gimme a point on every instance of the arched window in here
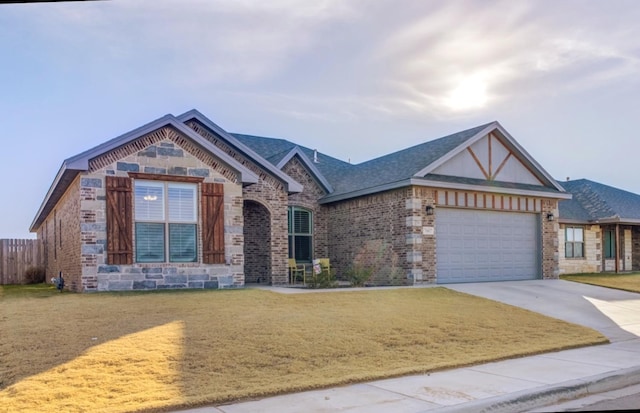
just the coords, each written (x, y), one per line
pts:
(300, 234)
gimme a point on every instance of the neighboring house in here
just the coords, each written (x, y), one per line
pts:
(599, 229)
(180, 202)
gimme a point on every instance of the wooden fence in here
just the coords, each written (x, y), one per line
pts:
(16, 255)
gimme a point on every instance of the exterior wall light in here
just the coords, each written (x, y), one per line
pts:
(550, 217)
(429, 210)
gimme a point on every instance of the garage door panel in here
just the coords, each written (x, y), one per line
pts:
(476, 245)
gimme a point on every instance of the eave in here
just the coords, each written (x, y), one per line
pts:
(510, 142)
(444, 185)
(308, 164)
(77, 164)
(292, 185)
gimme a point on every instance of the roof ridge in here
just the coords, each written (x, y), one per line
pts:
(429, 142)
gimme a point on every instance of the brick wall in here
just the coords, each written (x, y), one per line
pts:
(396, 226)
(60, 233)
(308, 198)
(163, 152)
(372, 230)
(549, 232)
(274, 199)
(257, 243)
(269, 192)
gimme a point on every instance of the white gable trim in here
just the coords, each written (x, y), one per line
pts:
(511, 144)
(433, 165)
(81, 162)
(307, 162)
(71, 167)
(292, 185)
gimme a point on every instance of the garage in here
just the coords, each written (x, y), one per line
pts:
(477, 245)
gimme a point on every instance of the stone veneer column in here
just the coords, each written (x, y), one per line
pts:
(550, 254)
(420, 236)
(413, 239)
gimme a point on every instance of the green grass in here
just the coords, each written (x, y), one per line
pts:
(32, 290)
(626, 282)
(120, 352)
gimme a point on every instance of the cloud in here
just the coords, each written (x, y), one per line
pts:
(516, 50)
(191, 42)
(340, 59)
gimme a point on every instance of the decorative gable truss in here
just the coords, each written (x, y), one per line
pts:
(492, 155)
(489, 159)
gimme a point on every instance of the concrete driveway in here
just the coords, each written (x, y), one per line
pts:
(614, 313)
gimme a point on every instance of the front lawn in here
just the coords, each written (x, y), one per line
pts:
(626, 282)
(165, 350)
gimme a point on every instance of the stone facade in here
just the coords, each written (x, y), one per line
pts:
(592, 260)
(82, 255)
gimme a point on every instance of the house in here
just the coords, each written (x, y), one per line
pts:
(180, 202)
(599, 229)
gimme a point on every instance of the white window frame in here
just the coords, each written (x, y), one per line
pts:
(164, 215)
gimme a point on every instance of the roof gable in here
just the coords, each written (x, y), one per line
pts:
(488, 158)
(297, 151)
(463, 158)
(291, 184)
(77, 164)
(510, 162)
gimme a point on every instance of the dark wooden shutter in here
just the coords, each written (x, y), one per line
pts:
(119, 220)
(212, 223)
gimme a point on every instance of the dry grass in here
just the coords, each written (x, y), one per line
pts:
(626, 282)
(158, 351)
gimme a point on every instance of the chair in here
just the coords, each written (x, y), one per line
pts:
(295, 270)
(325, 266)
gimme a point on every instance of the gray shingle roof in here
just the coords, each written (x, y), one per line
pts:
(274, 150)
(593, 201)
(346, 178)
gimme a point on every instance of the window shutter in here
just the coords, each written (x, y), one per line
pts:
(212, 223)
(119, 220)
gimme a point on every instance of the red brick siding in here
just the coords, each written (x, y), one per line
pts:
(373, 222)
(308, 199)
(257, 243)
(62, 239)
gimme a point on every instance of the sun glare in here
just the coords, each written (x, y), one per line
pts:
(471, 93)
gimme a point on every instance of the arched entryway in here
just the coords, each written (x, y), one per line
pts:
(257, 243)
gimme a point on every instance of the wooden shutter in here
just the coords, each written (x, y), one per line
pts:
(212, 223)
(119, 220)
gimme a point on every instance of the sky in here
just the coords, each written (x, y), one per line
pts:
(354, 79)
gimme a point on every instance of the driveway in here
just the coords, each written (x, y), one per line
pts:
(614, 313)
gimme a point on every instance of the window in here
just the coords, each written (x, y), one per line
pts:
(609, 243)
(163, 234)
(574, 242)
(300, 234)
(165, 221)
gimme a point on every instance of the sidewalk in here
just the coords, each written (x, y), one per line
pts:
(515, 385)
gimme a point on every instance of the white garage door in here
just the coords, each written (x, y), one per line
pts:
(475, 246)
